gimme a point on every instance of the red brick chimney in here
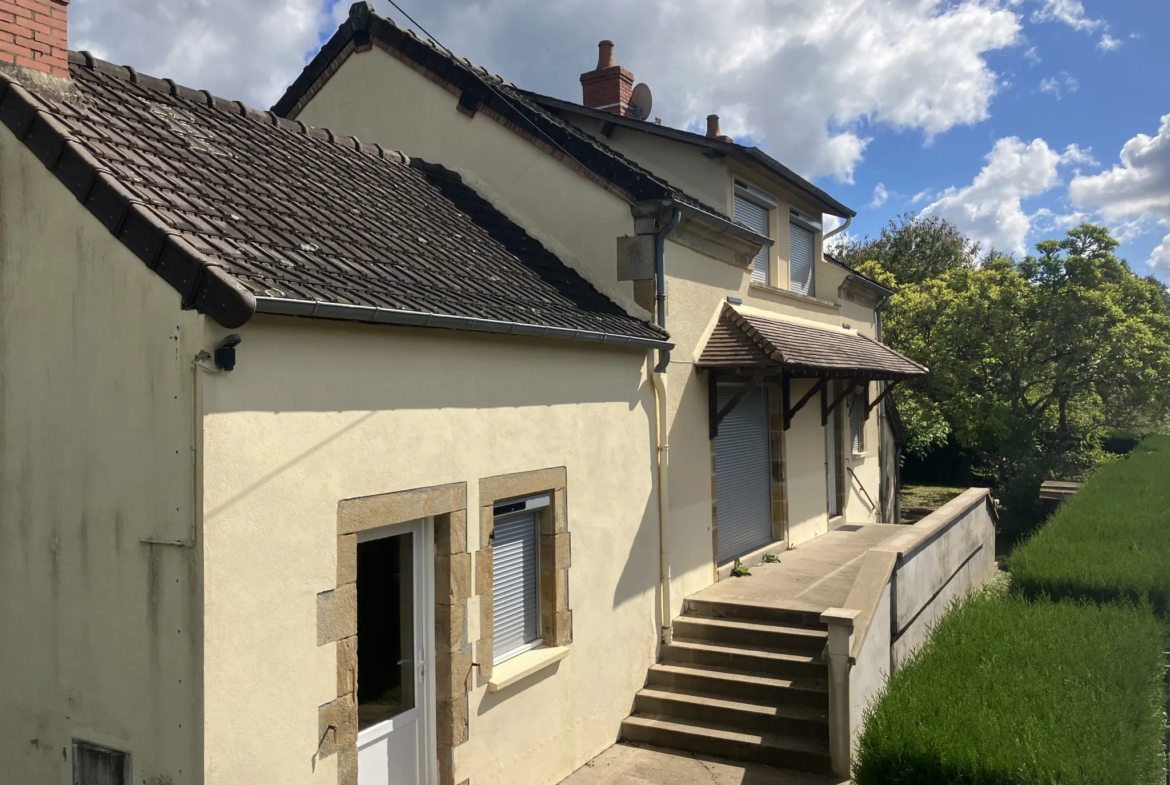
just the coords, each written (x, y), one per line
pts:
(607, 87)
(34, 34)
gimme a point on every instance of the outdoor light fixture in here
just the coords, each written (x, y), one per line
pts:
(225, 352)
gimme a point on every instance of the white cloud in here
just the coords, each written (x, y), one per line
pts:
(990, 209)
(248, 51)
(1057, 86)
(1108, 43)
(922, 196)
(1031, 56)
(805, 79)
(1074, 154)
(880, 195)
(1070, 12)
(1134, 195)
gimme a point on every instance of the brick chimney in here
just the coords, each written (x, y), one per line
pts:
(713, 131)
(607, 87)
(34, 34)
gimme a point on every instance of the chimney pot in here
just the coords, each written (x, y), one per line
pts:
(605, 55)
(609, 86)
(713, 131)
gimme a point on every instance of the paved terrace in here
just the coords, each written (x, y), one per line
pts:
(811, 577)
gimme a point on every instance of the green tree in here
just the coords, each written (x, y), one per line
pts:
(1032, 361)
(913, 248)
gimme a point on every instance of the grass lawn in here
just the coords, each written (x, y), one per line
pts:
(1011, 692)
(918, 501)
(1112, 540)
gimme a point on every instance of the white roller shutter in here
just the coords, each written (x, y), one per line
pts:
(515, 582)
(801, 256)
(743, 479)
(756, 218)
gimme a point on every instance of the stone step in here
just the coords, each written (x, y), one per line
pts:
(754, 613)
(775, 637)
(788, 718)
(793, 752)
(793, 665)
(725, 683)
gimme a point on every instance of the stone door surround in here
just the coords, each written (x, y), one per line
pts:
(337, 723)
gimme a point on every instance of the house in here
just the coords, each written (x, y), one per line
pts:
(341, 443)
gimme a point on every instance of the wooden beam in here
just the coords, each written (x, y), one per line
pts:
(607, 128)
(790, 413)
(827, 410)
(880, 398)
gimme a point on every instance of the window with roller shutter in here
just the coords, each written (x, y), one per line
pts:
(753, 208)
(516, 577)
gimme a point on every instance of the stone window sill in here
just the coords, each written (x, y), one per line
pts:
(508, 672)
(859, 456)
(804, 298)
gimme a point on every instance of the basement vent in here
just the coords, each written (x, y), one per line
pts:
(97, 765)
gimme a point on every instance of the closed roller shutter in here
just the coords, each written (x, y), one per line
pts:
(515, 585)
(743, 481)
(755, 217)
(801, 254)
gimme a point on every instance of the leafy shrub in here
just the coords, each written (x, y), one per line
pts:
(1109, 542)
(1009, 692)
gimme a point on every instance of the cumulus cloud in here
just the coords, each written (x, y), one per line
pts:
(991, 209)
(1135, 192)
(880, 195)
(248, 51)
(1108, 43)
(1057, 86)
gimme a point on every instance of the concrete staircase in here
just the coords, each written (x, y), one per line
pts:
(739, 682)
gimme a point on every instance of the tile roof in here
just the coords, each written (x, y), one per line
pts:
(753, 154)
(743, 340)
(240, 211)
(482, 89)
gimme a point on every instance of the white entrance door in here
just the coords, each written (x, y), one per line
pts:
(743, 475)
(395, 652)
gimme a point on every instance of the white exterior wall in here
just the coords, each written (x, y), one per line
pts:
(100, 633)
(317, 412)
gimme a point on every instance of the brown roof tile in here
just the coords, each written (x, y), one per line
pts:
(242, 211)
(742, 341)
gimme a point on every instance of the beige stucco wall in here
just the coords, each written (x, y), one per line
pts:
(697, 288)
(378, 98)
(317, 412)
(99, 632)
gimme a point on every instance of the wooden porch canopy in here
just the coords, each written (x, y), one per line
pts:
(758, 347)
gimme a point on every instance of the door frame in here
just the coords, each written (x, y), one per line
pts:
(423, 531)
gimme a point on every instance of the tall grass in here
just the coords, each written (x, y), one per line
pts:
(1109, 542)
(1011, 692)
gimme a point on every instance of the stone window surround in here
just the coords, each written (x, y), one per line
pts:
(337, 724)
(778, 471)
(556, 619)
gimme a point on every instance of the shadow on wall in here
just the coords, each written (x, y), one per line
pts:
(291, 364)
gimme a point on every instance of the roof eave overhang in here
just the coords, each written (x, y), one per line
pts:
(735, 235)
(808, 372)
(373, 315)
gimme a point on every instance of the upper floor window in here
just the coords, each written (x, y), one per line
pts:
(754, 208)
(802, 232)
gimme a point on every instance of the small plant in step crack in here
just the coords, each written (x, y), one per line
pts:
(738, 570)
(770, 558)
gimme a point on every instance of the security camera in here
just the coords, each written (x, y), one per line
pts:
(225, 352)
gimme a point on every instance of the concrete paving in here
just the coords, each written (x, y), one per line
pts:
(631, 764)
(811, 577)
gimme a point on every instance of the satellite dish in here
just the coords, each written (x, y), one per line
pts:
(641, 102)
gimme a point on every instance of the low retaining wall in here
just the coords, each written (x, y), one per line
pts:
(902, 589)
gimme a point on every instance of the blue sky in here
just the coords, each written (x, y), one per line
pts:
(1007, 116)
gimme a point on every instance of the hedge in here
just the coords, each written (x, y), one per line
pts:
(1111, 541)
(1012, 692)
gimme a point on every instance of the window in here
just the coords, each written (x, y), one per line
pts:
(516, 575)
(753, 208)
(97, 765)
(857, 422)
(802, 232)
